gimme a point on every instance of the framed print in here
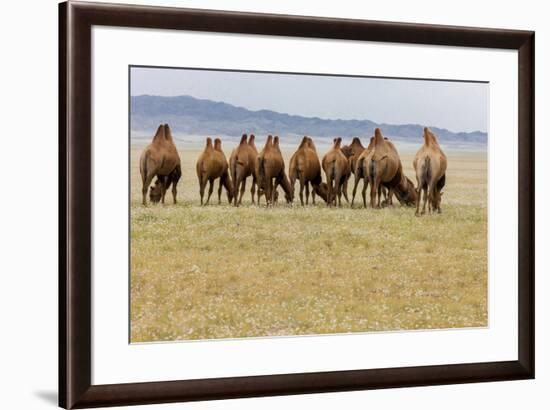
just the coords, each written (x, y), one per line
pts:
(256, 204)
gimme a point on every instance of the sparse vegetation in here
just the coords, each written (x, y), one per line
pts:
(225, 272)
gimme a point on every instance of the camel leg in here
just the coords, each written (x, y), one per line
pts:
(267, 191)
(418, 195)
(228, 187)
(202, 185)
(357, 179)
(312, 194)
(344, 188)
(338, 189)
(163, 189)
(220, 192)
(174, 189)
(146, 182)
(431, 197)
(301, 191)
(425, 199)
(379, 194)
(292, 184)
(329, 193)
(438, 203)
(236, 181)
(210, 190)
(174, 193)
(364, 191)
(243, 188)
(307, 193)
(253, 189)
(274, 194)
(373, 191)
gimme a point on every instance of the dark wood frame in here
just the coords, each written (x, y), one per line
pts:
(75, 195)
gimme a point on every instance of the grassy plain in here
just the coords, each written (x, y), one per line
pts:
(224, 272)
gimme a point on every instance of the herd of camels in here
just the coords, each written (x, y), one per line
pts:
(378, 165)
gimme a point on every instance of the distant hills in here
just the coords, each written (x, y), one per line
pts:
(193, 116)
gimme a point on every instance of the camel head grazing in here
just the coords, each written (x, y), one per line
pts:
(155, 192)
(406, 192)
(160, 158)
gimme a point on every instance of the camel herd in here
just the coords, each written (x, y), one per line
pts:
(378, 164)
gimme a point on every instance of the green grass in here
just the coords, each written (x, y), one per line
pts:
(225, 272)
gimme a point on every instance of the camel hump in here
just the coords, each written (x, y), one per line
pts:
(337, 142)
(167, 133)
(251, 139)
(356, 141)
(269, 142)
(208, 142)
(243, 139)
(304, 142)
(429, 138)
(159, 135)
(311, 144)
(371, 143)
(276, 141)
(378, 138)
(218, 144)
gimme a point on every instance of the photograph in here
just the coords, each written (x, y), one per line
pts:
(267, 204)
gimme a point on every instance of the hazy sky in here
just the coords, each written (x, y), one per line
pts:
(457, 106)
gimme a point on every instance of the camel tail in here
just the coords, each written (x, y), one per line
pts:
(372, 171)
(425, 173)
(233, 172)
(332, 170)
(261, 167)
(359, 167)
(321, 190)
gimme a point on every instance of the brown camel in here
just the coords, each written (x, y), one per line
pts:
(159, 158)
(155, 192)
(353, 151)
(306, 167)
(361, 172)
(337, 171)
(270, 171)
(255, 183)
(385, 169)
(430, 165)
(242, 164)
(212, 165)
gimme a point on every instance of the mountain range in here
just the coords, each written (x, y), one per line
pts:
(193, 116)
